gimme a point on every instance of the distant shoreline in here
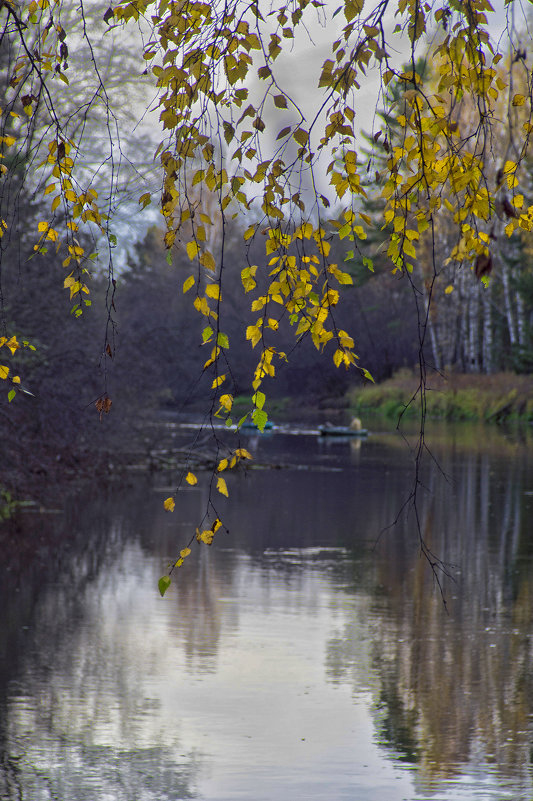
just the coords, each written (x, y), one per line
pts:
(453, 397)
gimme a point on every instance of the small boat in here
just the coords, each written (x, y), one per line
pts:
(341, 431)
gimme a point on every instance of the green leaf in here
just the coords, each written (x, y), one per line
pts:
(163, 584)
(259, 399)
(11, 394)
(260, 418)
(222, 340)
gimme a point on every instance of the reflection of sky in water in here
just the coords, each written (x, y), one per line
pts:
(252, 706)
(289, 672)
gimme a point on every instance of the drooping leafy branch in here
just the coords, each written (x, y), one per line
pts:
(238, 141)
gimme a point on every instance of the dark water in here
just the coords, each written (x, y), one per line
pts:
(304, 656)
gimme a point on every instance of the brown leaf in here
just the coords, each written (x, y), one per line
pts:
(103, 405)
(483, 265)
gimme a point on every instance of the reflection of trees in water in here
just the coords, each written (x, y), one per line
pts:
(202, 618)
(448, 689)
(89, 773)
(396, 723)
(82, 711)
(457, 687)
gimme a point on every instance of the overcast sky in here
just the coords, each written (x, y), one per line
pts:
(298, 69)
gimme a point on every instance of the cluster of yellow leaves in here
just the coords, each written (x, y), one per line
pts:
(37, 22)
(226, 463)
(443, 163)
(204, 536)
(12, 344)
(201, 56)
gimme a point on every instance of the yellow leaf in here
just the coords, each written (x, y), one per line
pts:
(145, 199)
(409, 249)
(226, 401)
(222, 465)
(301, 136)
(212, 291)
(188, 283)
(169, 504)
(185, 552)
(509, 228)
(218, 381)
(202, 306)
(448, 290)
(4, 371)
(242, 453)
(253, 332)
(192, 250)
(519, 100)
(207, 260)
(13, 345)
(191, 479)
(221, 486)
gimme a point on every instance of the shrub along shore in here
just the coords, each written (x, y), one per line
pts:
(453, 397)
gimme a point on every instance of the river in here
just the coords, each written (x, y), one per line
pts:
(308, 654)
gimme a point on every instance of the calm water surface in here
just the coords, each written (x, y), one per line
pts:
(306, 655)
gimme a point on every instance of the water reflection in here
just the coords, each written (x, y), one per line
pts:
(293, 659)
(465, 678)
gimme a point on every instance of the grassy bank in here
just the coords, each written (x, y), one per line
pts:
(456, 396)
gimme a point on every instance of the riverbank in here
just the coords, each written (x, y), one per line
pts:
(453, 397)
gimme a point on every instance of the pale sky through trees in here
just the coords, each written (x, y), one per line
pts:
(299, 71)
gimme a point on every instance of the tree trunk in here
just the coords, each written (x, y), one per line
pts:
(520, 319)
(507, 302)
(487, 330)
(473, 331)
